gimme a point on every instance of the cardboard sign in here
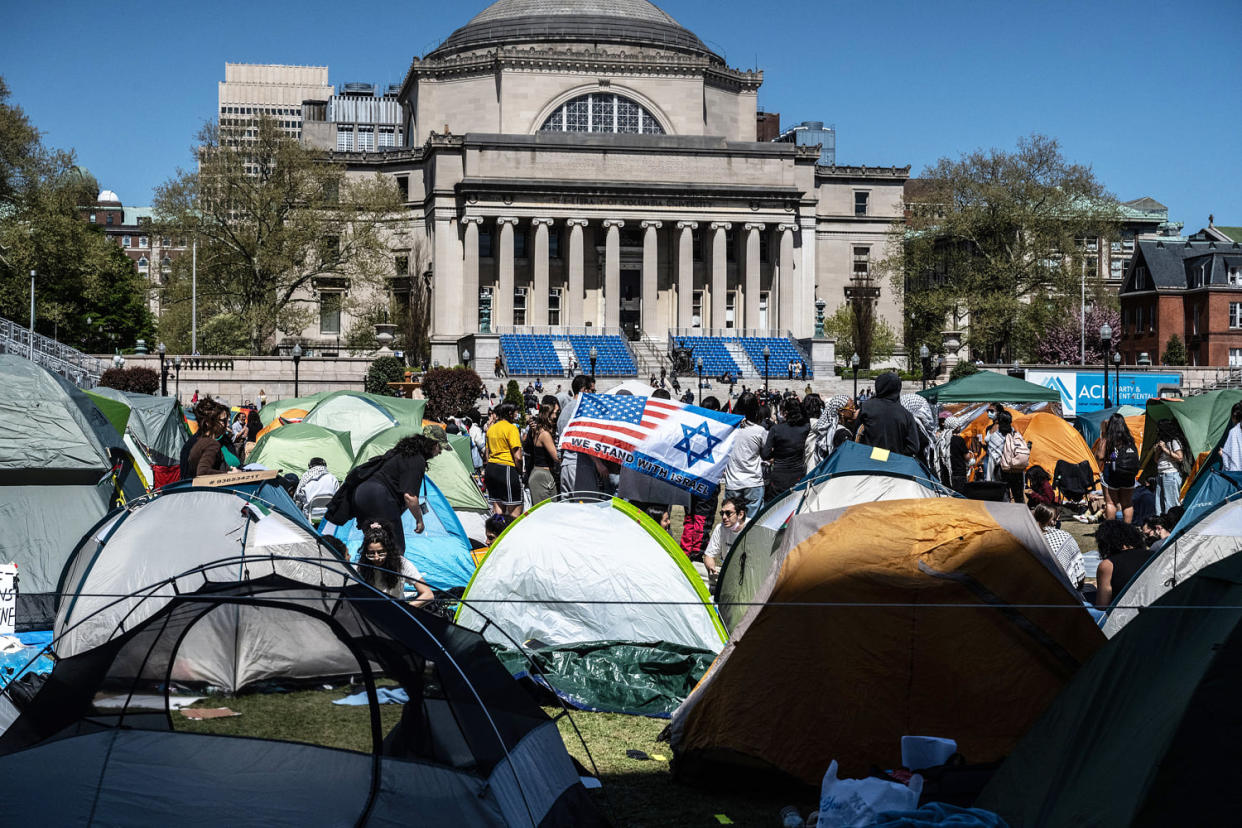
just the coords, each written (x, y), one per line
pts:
(234, 478)
(8, 598)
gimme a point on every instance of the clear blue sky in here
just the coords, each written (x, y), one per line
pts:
(1145, 92)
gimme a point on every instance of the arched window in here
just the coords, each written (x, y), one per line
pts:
(602, 112)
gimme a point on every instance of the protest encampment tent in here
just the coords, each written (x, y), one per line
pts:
(607, 601)
(1203, 419)
(56, 452)
(944, 617)
(362, 416)
(275, 409)
(155, 540)
(989, 386)
(469, 747)
(154, 431)
(1090, 423)
(1146, 733)
(1212, 533)
(291, 448)
(441, 552)
(1053, 438)
(852, 474)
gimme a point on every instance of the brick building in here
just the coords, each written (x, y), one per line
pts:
(1189, 288)
(130, 227)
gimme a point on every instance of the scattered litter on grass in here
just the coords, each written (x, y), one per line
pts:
(208, 713)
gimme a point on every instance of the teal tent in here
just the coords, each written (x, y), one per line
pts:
(989, 386)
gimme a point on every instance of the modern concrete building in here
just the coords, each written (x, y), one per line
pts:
(591, 166)
(250, 90)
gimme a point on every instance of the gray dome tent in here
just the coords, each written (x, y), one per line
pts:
(469, 748)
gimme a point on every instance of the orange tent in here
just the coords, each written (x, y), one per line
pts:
(293, 415)
(1052, 438)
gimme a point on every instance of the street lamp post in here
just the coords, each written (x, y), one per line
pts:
(854, 360)
(767, 354)
(698, 365)
(118, 361)
(177, 374)
(160, 349)
(1106, 336)
(594, 355)
(925, 361)
(1117, 375)
(297, 358)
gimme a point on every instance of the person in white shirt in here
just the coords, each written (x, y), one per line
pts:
(315, 481)
(743, 476)
(732, 522)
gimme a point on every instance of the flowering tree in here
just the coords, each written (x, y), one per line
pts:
(1061, 342)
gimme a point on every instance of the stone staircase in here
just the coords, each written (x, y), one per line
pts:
(650, 355)
(563, 352)
(743, 362)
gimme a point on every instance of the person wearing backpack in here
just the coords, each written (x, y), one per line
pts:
(1119, 465)
(1014, 457)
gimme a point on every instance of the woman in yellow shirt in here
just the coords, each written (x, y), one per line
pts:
(504, 458)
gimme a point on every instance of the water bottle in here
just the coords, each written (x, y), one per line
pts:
(790, 818)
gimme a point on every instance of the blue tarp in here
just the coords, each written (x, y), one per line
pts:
(441, 552)
(16, 664)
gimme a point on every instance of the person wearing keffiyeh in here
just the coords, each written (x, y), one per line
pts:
(827, 432)
(920, 409)
(316, 480)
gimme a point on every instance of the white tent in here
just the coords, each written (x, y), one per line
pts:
(567, 573)
(165, 546)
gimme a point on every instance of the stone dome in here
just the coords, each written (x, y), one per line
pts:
(625, 22)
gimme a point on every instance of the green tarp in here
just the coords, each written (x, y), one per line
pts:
(1203, 418)
(988, 386)
(290, 448)
(460, 444)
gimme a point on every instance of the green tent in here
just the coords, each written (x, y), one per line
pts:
(154, 422)
(989, 386)
(116, 410)
(1203, 418)
(460, 443)
(362, 416)
(445, 470)
(289, 449)
(1146, 732)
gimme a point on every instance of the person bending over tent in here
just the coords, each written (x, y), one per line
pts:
(392, 486)
(732, 522)
(382, 565)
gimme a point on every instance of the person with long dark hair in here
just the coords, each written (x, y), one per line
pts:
(785, 448)
(1170, 454)
(1122, 555)
(396, 486)
(1119, 466)
(1012, 470)
(504, 458)
(205, 454)
(382, 565)
(544, 460)
(743, 475)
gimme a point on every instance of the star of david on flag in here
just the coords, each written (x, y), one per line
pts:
(680, 444)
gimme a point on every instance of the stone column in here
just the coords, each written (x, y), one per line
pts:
(685, 273)
(470, 274)
(502, 305)
(575, 296)
(539, 287)
(720, 273)
(750, 287)
(651, 286)
(785, 277)
(612, 273)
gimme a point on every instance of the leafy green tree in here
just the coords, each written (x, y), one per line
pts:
(81, 274)
(991, 232)
(843, 327)
(1174, 351)
(382, 371)
(274, 220)
(963, 369)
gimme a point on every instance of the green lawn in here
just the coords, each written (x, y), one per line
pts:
(638, 793)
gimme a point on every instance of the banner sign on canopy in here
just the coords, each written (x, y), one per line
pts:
(680, 444)
(1083, 391)
(8, 598)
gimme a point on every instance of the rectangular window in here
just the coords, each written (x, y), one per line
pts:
(485, 243)
(1091, 265)
(330, 313)
(92, 218)
(730, 308)
(401, 265)
(861, 202)
(366, 137)
(519, 306)
(554, 306)
(696, 309)
(1235, 357)
(1235, 276)
(485, 309)
(142, 241)
(763, 310)
(403, 187)
(862, 263)
(344, 138)
(1151, 317)
(109, 221)
(554, 242)
(126, 241)
(387, 136)
(1235, 315)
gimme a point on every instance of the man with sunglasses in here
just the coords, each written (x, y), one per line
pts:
(732, 522)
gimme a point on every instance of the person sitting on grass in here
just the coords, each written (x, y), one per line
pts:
(384, 567)
(732, 522)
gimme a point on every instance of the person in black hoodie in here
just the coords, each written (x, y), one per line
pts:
(884, 422)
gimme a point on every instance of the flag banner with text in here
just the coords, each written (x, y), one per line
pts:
(680, 444)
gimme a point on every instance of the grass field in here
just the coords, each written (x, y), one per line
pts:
(637, 793)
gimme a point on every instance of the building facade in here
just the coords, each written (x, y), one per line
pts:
(1189, 288)
(251, 90)
(130, 227)
(594, 166)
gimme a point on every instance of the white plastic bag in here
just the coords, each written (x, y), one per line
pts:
(846, 803)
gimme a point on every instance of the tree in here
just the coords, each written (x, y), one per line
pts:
(963, 369)
(989, 232)
(1174, 351)
(275, 220)
(137, 380)
(382, 371)
(81, 274)
(843, 326)
(513, 395)
(1060, 341)
(450, 391)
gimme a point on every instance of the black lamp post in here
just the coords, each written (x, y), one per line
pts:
(177, 375)
(854, 360)
(1117, 375)
(767, 354)
(698, 365)
(1106, 336)
(297, 358)
(925, 360)
(594, 355)
(160, 349)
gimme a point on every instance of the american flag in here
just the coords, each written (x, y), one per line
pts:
(623, 421)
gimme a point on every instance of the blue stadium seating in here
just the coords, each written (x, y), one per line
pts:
(716, 358)
(535, 355)
(613, 357)
(530, 354)
(781, 351)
